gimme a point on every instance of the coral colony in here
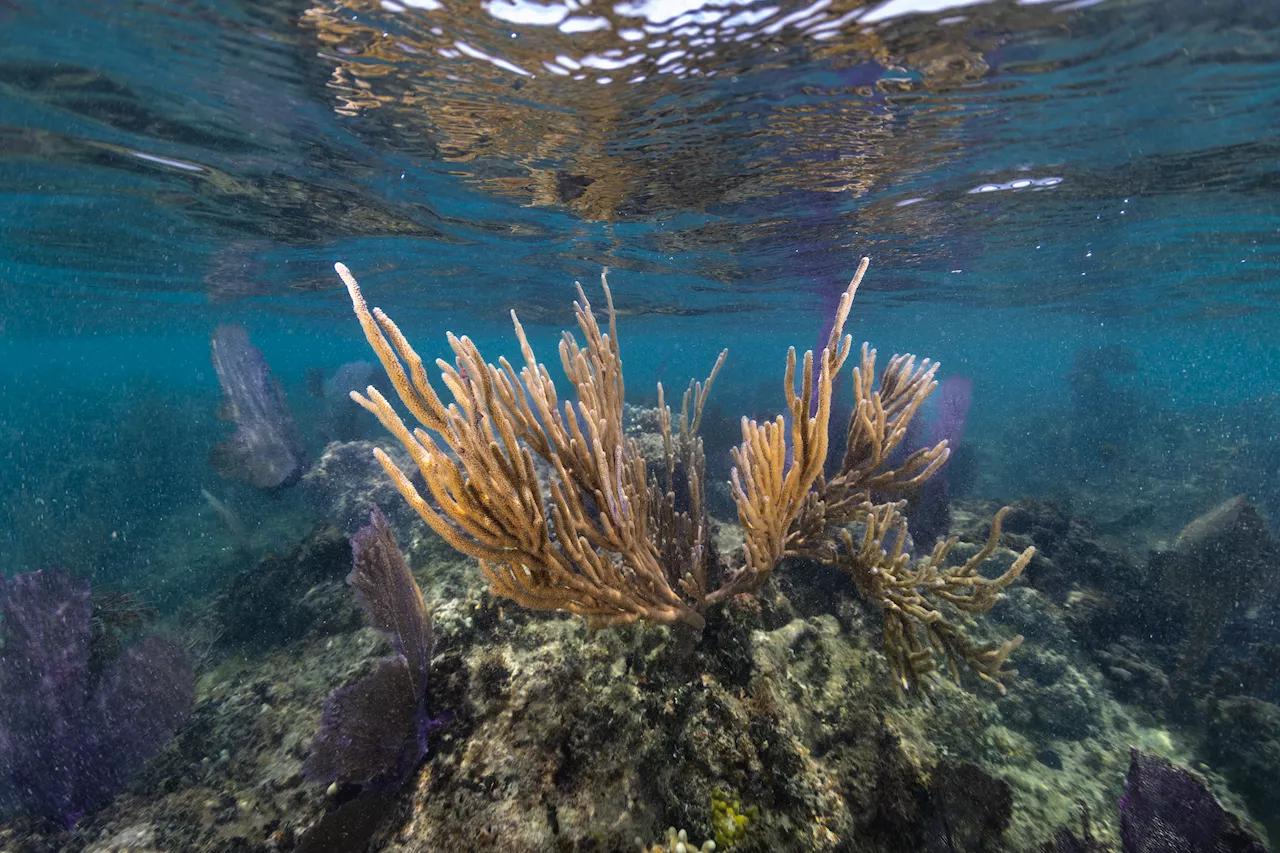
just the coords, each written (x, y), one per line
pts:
(70, 736)
(373, 734)
(611, 544)
(266, 449)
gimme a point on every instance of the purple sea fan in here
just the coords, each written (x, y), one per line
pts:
(929, 510)
(374, 732)
(1165, 809)
(71, 738)
(266, 449)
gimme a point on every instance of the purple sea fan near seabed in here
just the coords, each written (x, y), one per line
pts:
(69, 738)
(374, 732)
(1167, 810)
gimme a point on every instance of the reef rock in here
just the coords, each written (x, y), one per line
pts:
(1220, 560)
(1243, 743)
(346, 483)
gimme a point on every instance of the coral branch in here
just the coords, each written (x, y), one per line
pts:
(915, 628)
(589, 552)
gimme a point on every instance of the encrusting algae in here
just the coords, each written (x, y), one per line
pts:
(608, 542)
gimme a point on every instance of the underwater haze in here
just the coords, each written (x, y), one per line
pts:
(1020, 592)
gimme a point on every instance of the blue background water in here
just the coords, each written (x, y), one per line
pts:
(167, 167)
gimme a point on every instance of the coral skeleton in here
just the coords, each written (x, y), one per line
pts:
(608, 541)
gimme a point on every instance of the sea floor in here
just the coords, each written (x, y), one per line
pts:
(782, 710)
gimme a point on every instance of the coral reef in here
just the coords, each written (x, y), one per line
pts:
(778, 725)
(612, 546)
(72, 735)
(569, 740)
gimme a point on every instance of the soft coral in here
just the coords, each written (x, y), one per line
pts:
(70, 738)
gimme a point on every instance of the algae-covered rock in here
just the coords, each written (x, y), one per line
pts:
(1221, 560)
(1242, 741)
(346, 483)
(971, 808)
(570, 741)
(284, 596)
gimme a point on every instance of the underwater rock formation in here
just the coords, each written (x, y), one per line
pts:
(970, 809)
(1221, 560)
(341, 419)
(283, 596)
(346, 480)
(1242, 741)
(568, 740)
(1115, 607)
(72, 735)
(612, 545)
(266, 449)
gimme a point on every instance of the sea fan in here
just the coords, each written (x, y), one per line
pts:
(70, 737)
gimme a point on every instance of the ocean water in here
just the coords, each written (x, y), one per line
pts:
(1073, 207)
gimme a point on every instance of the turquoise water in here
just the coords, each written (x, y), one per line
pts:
(1033, 182)
(170, 167)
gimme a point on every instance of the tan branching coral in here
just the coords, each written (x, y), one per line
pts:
(608, 540)
(490, 501)
(915, 630)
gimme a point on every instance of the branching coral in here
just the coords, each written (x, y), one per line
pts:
(590, 551)
(907, 591)
(609, 542)
(677, 842)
